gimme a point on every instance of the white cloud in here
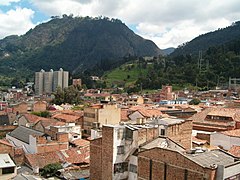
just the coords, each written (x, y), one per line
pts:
(8, 2)
(15, 21)
(166, 22)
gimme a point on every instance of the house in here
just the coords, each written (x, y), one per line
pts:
(225, 139)
(144, 114)
(44, 125)
(134, 100)
(33, 141)
(29, 120)
(216, 119)
(21, 107)
(74, 156)
(8, 169)
(39, 106)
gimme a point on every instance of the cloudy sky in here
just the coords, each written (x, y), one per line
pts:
(168, 23)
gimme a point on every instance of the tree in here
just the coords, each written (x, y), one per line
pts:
(194, 101)
(50, 169)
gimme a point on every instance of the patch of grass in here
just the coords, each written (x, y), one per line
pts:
(125, 75)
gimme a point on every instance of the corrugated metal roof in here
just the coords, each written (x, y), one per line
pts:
(211, 158)
(22, 133)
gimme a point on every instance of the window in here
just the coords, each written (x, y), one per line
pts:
(133, 168)
(163, 132)
(120, 150)
(8, 170)
(129, 134)
(120, 167)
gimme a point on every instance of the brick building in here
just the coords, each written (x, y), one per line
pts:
(165, 163)
(39, 106)
(113, 156)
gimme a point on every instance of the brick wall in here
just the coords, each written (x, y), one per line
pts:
(20, 108)
(181, 133)
(158, 163)
(39, 106)
(96, 159)
(18, 155)
(6, 149)
(203, 136)
(107, 151)
(5, 129)
(44, 145)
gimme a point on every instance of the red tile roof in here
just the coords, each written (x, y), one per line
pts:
(66, 117)
(33, 118)
(81, 142)
(73, 155)
(5, 142)
(234, 133)
(235, 150)
(42, 159)
(124, 115)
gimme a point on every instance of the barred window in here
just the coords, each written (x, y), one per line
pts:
(133, 168)
(120, 150)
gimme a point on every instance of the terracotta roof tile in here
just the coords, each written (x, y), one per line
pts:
(66, 117)
(34, 118)
(235, 150)
(81, 142)
(234, 133)
(42, 159)
(124, 115)
(5, 142)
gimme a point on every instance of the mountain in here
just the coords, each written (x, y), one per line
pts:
(211, 39)
(73, 43)
(168, 51)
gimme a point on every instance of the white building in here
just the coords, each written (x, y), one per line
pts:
(8, 169)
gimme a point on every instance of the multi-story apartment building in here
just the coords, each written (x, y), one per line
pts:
(39, 82)
(97, 115)
(47, 82)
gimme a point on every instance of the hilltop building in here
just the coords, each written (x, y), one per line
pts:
(47, 82)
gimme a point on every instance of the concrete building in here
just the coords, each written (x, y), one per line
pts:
(47, 82)
(39, 82)
(60, 79)
(97, 115)
(8, 169)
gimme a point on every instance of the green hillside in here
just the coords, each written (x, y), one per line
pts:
(126, 75)
(75, 44)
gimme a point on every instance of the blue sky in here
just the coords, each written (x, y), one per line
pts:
(168, 23)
